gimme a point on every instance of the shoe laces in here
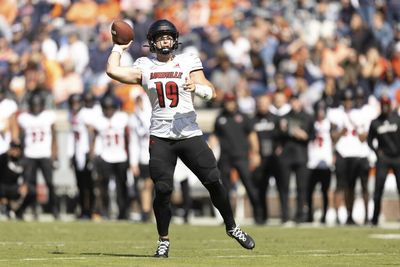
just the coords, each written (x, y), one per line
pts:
(163, 246)
(238, 233)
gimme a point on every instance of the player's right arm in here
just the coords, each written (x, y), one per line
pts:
(117, 72)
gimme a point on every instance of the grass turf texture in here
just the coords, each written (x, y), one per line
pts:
(129, 244)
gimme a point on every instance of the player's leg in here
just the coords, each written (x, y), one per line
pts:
(146, 193)
(162, 166)
(30, 177)
(325, 179)
(224, 166)
(301, 173)
(120, 170)
(242, 166)
(396, 171)
(198, 157)
(46, 167)
(283, 187)
(312, 181)
(340, 172)
(352, 175)
(261, 179)
(104, 172)
(382, 170)
(364, 175)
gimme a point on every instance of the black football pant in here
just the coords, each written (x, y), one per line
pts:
(30, 175)
(383, 165)
(269, 167)
(85, 185)
(301, 174)
(241, 164)
(117, 170)
(323, 177)
(198, 157)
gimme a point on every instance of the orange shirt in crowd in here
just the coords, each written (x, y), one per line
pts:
(222, 13)
(109, 10)
(9, 10)
(83, 13)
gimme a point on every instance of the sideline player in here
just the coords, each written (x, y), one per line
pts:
(171, 81)
(40, 146)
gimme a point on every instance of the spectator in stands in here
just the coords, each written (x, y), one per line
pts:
(70, 83)
(75, 50)
(382, 32)
(237, 48)
(225, 77)
(84, 15)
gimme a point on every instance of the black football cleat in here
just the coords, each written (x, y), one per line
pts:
(242, 237)
(162, 249)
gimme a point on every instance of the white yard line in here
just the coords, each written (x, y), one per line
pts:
(385, 236)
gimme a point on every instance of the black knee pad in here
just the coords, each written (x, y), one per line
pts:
(207, 170)
(163, 187)
(213, 176)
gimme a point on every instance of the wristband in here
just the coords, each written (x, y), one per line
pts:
(204, 91)
(118, 49)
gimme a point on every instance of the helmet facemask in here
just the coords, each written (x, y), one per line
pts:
(161, 28)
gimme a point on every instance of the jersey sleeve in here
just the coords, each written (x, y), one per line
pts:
(194, 62)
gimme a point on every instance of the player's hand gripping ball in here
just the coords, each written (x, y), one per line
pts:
(121, 32)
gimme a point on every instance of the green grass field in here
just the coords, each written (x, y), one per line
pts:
(130, 244)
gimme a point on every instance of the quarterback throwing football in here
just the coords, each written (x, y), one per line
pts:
(171, 81)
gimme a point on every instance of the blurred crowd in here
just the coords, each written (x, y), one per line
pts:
(292, 53)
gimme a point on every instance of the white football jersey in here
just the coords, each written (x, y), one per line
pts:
(111, 133)
(139, 124)
(7, 108)
(320, 152)
(38, 136)
(78, 141)
(349, 145)
(173, 114)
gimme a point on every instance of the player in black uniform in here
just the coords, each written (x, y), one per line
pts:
(239, 146)
(12, 187)
(386, 130)
(265, 125)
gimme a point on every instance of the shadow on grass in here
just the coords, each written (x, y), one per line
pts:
(115, 255)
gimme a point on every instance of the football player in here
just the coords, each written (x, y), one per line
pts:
(112, 129)
(8, 121)
(40, 146)
(171, 82)
(78, 144)
(139, 123)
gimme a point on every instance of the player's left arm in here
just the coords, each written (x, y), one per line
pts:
(198, 83)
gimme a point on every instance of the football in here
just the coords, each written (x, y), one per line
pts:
(121, 32)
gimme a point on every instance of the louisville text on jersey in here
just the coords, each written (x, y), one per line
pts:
(166, 75)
